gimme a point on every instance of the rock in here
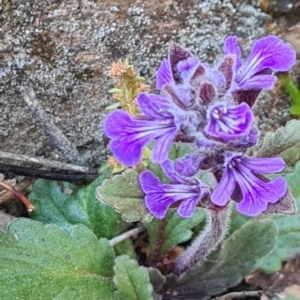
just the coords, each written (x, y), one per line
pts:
(292, 35)
(63, 50)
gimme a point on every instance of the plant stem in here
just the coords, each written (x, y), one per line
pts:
(155, 257)
(242, 294)
(27, 203)
(212, 235)
(126, 235)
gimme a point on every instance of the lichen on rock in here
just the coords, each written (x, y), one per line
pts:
(63, 49)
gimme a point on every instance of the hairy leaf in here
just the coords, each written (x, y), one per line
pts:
(238, 257)
(124, 194)
(40, 261)
(157, 280)
(288, 242)
(131, 280)
(65, 204)
(172, 230)
(284, 142)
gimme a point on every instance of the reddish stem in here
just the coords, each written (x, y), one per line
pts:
(155, 257)
(21, 197)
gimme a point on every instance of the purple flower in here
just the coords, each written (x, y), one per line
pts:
(130, 134)
(268, 53)
(228, 122)
(160, 196)
(177, 68)
(256, 192)
(188, 165)
(164, 74)
(247, 141)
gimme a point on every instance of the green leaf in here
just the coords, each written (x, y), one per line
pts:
(295, 109)
(124, 194)
(66, 204)
(115, 91)
(290, 298)
(179, 150)
(294, 93)
(131, 280)
(125, 248)
(171, 231)
(293, 181)
(238, 257)
(288, 242)
(40, 261)
(284, 142)
(156, 278)
(112, 106)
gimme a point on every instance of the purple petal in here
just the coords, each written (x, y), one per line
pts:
(118, 123)
(177, 54)
(162, 146)
(187, 207)
(185, 95)
(258, 82)
(160, 196)
(267, 53)
(172, 91)
(168, 167)
(188, 165)
(164, 74)
(130, 135)
(231, 46)
(185, 68)
(229, 122)
(264, 165)
(155, 202)
(248, 140)
(285, 205)
(224, 189)
(258, 195)
(127, 154)
(154, 106)
(171, 173)
(227, 68)
(217, 78)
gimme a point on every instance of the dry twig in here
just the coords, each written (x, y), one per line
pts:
(242, 294)
(126, 235)
(60, 175)
(43, 162)
(57, 138)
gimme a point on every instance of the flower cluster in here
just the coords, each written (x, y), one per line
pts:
(208, 108)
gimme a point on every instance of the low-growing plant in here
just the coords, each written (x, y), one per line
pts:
(181, 176)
